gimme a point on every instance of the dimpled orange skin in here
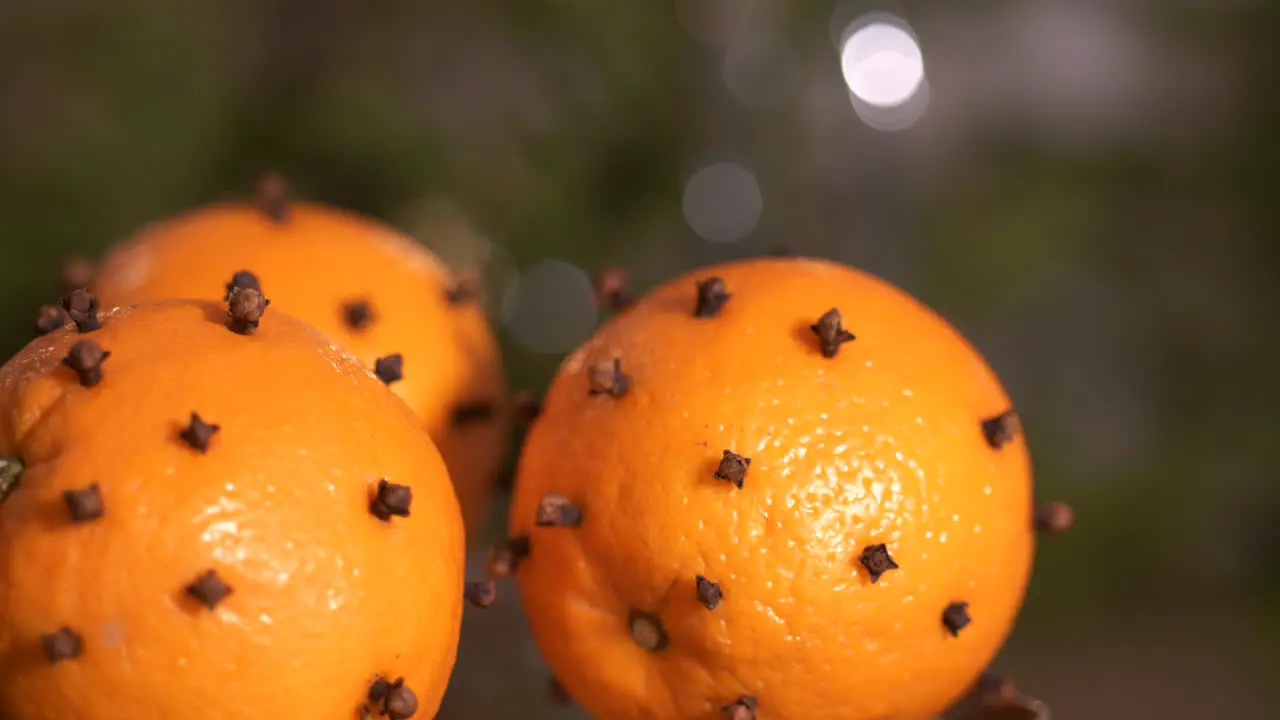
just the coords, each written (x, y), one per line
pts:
(325, 596)
(310, 265)
(880, 444)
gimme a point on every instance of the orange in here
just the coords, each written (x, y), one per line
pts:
(196, 522)
(375, 291)
(775, 488)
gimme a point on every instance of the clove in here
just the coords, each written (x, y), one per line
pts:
(245, 307)
(607, 378)
(390, 368)
(712, 296)
(391, 500)
(555, 510)
(85, 358)
(733, 468)
(82, 308)
(831, 333)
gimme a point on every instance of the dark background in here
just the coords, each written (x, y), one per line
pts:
(1085, 196)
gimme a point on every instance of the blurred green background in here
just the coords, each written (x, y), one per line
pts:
(1086, 194)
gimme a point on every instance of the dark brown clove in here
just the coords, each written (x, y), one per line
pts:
(607, 378)
(85, 504)
(357, 315)
(612, 288)
(647, 631)
(393, 699)
(198, 433)
(506, 555)
(11, 469)
(51, 319)
(274, 196)
(555, 510)
(744, 708)
(712, 296)
(1054, 517)
(784, 251)
(209, 590)
(62, 644)
(391, 500)
(76, 272)
(475, 411)
(85, 358)
(956, 617)
(733, 468)
(245, 307)
(877, 561)
(390, 368)
(709, 593)
(526, 406)
(1001, 429)
(243, 280)
(831, 333)
(464, 289)
(480, 593)
(82, 308)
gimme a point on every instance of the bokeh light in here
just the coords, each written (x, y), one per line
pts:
(896, 117)
(881, 61)
(551, 308)
(722, 202)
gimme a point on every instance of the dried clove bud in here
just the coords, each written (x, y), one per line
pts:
(198, 433)
(50, 319)
(472, 412)
(85, 504)
(85, 358)
(876, 559)
(744, 708)
(82, 308)
(481, 593)
(1054, 517)
(389, 369)
(506, 556)
(11, 469)
(612, 288)
(244, 280)
(464, 289)
(555, 510)
(607, 378)
(245, 307)
(357, 315)
(393, 699)
(1001, 429)
(709, 593)
(76, 272)
(62, 644)
(526, 406)
(784, 251)
(274, 196)
(647, 631)
(956, 617)
(831, 333)
(209, 590)
(391, 500)
(712, 296)
(733, 468)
